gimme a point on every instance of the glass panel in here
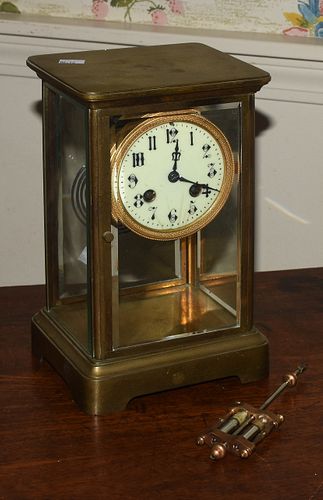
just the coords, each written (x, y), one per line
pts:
(143, 262)
(219, 241)
(70, 164)
(147, 269)
(174, 289)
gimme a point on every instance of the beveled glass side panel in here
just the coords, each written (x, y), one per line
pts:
(219, 241)
(68, 164)
(165, 290)
(72, 213)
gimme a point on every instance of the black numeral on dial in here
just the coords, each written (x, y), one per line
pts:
(152, 143)
(193, 208)
(206, 190)
(138, 159)
(153, 212)
(206, 149)
(172, 216)
(212, 172)
(171, 134)
(132, 181)
(139, 200)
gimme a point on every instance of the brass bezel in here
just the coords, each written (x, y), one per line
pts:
(120, 213)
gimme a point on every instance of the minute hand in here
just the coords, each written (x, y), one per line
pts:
(183, 179)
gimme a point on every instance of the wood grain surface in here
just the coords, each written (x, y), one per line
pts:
(49, 449)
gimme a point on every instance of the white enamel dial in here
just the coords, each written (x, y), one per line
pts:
(171, 176)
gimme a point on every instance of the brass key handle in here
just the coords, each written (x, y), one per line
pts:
(245, 426)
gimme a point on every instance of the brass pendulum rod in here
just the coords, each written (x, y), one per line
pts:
(290, 380)
(245, 426)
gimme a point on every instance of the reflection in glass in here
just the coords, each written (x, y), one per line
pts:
(68, 166)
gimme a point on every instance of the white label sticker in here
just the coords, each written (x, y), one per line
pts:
(71, 61)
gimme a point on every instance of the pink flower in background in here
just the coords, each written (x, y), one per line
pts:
(296, 31)
(177, 7)
(158, 16)
(100, 9)
(157, 9)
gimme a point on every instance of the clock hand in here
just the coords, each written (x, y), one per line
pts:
(206, 186)
(196, 188)
(173, 175)
(176, 156)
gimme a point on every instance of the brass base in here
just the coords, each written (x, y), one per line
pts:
(104, 386)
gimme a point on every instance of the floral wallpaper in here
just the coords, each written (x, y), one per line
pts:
(290, 17)
(158, 12)
(307, 21)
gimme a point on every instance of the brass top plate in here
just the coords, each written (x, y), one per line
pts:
(125, 74)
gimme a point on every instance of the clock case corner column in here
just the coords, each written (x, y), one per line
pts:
(50, 196)
(99, 227)
(247, 211)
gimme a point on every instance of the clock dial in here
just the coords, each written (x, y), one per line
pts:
(171, 176)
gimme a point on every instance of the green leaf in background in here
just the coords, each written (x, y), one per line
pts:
(120, 3)
(9, 7)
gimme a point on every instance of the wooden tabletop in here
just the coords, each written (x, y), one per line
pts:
(50, 450)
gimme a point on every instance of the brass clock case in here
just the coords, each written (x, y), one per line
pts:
(120, 212)
(128, 315)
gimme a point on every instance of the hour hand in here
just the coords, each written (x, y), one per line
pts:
(176, 156)
(173, 175)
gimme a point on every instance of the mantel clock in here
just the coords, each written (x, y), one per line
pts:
(148, 188)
